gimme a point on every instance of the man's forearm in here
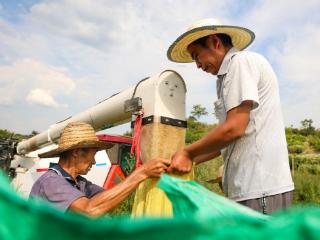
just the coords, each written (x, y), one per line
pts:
(233, 128)
(206, 157)
(216, 140)
(107, 200)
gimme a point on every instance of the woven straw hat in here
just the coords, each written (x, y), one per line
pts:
(77, 135)
(178, 52)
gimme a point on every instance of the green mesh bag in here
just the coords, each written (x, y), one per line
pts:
(197, 217)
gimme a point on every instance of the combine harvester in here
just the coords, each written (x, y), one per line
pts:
(158, 101)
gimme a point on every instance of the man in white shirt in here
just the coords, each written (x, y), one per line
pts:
(250, 135)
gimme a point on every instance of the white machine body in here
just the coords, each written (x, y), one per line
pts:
(161, 95)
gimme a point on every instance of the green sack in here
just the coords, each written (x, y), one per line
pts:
(191, 199)
(22, 219)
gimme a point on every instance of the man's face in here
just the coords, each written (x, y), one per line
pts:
(208, 58)
(86, 160)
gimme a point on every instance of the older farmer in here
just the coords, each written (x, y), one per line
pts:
(250, 135)
(63, 185)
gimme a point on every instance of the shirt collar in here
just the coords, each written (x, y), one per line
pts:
(226, 61)
(60, 171)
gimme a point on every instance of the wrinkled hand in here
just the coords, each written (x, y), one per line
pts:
(155, 167)
(181, 162)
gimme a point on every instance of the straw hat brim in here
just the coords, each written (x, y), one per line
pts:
(99, 145)
(178, 52)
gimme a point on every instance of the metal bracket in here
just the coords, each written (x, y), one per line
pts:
(163, 120)
(173, 122)
(133, 104)
(145, 120)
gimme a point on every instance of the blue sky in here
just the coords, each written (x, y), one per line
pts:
(59, 57)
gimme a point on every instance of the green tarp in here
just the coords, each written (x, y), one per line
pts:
(199, 214)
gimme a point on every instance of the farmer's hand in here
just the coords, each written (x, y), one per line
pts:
(155, 167)
(180, 162)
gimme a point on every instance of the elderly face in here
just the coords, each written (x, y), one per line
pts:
(85, 160)
(207, 58)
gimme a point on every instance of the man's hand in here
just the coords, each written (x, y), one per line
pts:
(180, 162)
(155, 167)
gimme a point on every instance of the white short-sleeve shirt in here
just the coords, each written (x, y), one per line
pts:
(257, 164)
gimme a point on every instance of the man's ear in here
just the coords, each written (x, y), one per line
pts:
(75, 152)
(214, 41)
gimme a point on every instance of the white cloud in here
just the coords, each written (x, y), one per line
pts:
(297, 64)
(41, 97)
(299, 59)
(18, 79)
(273, 19)
(108, 46)
(120, 42)
(104, 25)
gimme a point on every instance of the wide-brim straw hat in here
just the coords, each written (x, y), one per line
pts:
(178, 52)
(77, 135)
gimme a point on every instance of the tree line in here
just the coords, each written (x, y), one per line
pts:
(303, 147)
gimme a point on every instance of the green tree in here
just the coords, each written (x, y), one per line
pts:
(307, 128)
(307, 123)
(33, 133)
(4, 133)
(196, 130)
(128, 133)
(198, 111)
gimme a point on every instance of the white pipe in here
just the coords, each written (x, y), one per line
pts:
(162, 95)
